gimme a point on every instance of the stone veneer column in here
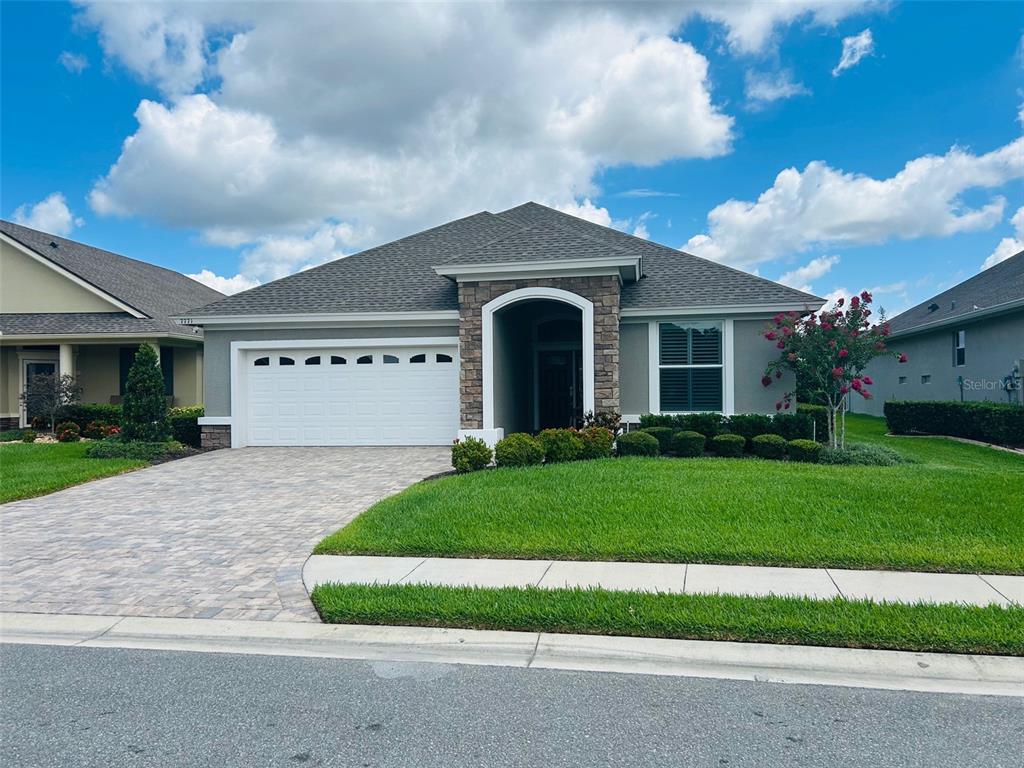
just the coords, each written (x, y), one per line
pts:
(603, 291)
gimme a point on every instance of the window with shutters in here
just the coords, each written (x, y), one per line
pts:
(690, 370)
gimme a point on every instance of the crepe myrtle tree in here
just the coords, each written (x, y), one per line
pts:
(829, 351)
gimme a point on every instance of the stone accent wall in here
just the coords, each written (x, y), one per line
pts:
(215, 436)
(603, 291)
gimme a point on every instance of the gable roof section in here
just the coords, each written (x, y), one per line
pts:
(399, 276)
(153, 291)
(993, 290)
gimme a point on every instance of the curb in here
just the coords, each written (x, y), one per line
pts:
(847, 667)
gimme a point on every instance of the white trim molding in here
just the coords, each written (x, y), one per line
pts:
(440, 317)
(214, 421)
(487, 341)
(728, 365)
(766, 310)
(628, 269)
(237, 364)
(41, 258)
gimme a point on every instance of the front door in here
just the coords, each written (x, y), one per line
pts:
(559, 388)
(35, 368)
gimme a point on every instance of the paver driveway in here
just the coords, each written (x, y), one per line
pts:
(219, 535)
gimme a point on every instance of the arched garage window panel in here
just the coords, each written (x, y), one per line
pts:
(285, 361)
(338, 360)
(390, 359)
(365, 360)
(261, 361)
(442, 358)
(315, 360)
(420, 358)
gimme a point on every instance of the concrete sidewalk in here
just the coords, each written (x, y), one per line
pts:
(763, 663)
(681, 578)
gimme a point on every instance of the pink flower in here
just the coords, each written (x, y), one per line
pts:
(786, 406)
(856, 384)
(778, 406)
(787, 331)
(781, 344)
(844, 352)
(868, 380)
(840, 302)
(778, 374)
(832, 343)
(826, 326)
(770, 335)
(865, 394)
(903, 357)
(865, 297)
(837, 372)
(844, 389)
(879, 345)
(766, 380)
(855, 302)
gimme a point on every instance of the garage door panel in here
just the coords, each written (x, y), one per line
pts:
(378, 403)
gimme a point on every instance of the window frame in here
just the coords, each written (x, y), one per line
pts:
(959, 348)
(655, 367)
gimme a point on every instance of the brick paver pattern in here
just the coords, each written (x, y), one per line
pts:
(219, 535)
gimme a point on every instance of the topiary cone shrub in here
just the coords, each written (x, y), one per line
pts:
(144, 407)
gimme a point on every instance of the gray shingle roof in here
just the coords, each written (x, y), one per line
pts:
(69, 323)
(994, 286)
(399, 276)
(154, 291)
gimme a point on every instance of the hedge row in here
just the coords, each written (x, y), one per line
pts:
(990, 422)
(791, 426)
(184, 421)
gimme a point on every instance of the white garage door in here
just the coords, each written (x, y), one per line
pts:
(361, 396)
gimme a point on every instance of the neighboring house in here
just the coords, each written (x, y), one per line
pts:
(490, 324)
(967, 343)
(66, 307)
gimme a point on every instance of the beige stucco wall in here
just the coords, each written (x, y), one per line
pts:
(188, 376)
(97, 370)
(29, 286)
(8, 381)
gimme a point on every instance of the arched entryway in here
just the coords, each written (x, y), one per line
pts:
(538, 360)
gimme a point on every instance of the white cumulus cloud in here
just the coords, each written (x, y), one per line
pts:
(1008, 246)
(227, 285)
(75, 63)
(821, 206)
(802, 277)
(765, 87)
(855, 48)
(49, 215)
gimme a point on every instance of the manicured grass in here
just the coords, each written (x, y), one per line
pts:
(838, 623)
(38, 468)
(957, 508)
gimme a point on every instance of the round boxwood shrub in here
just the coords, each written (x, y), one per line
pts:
(769, 446)
(518, 450)
(471, 454)
(560, 445)
(804, 450)
(728, 445)
(637, 443)
(663, 435)
(67, 432)
(597, 442)
(688, 443)
(28, 436)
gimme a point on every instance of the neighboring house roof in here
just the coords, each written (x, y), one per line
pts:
(996, 289)
(153, 291)
(399, 276)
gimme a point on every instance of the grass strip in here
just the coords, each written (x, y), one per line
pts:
(785, 620)
(35, 469)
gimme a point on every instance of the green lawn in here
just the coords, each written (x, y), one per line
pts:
(34, 469)
(957, 508)
(838, 623)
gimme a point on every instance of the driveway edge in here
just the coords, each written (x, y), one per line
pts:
(889, 670)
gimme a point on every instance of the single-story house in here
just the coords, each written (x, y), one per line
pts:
(69, 308)
(486, 325)
(967, 343)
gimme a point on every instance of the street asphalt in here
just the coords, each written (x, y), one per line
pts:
(66, 706)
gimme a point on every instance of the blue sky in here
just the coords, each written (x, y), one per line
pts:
(264, 139)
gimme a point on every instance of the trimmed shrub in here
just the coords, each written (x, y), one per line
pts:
(518, 450)
(560, 445)
(728, 445)
(83, 414)
(709, 423)
(28, 436)
(597, 442)
(819, 420)
(144, 410)
(804, 450)
(637, 443)
(989, 422)
(861, 454)
(663, 435)
(471, 454)
(9, 435)
(688, 443)
(750, 425)
(769, 446)
(94, 430)
(140, 451)
(793, 426)
(67, 432)
(185, 424)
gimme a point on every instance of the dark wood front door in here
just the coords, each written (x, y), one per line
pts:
(559, 388)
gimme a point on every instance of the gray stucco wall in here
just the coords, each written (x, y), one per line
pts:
(217, 352)
(634, 371)
(993, 347)
(751, 353)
